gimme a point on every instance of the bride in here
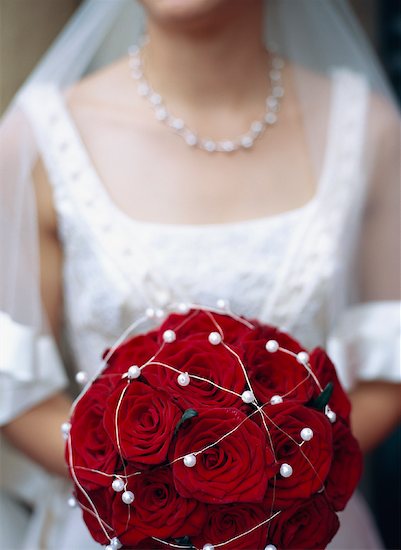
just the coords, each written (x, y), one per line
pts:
(243, 150)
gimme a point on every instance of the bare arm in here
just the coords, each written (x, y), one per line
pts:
(37, 431)
(377, 404)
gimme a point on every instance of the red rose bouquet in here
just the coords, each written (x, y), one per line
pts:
(213, 431)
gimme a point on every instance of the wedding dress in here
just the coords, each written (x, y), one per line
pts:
(279, 269)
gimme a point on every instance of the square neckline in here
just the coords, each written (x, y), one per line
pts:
(102, 193)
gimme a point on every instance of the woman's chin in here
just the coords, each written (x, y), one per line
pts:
(186, 11)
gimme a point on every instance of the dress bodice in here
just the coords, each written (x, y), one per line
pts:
(282, 269)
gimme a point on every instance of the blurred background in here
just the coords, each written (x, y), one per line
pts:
(27, 27)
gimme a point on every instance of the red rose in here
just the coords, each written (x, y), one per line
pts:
(235, 469)
(146, 422)
(91, 448)
(202, 359)
(228, 521)
(158, 510)
(310, 462)
(100, 500)
(197, 324)
(346, 468)
(134, 351)
(326, 372)
(275, 373)
(309, 524)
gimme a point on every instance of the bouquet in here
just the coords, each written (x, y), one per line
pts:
(212, 431)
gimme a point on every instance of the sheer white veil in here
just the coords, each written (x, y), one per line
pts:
(315, 36)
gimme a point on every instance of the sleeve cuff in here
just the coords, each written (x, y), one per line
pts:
(365, 343)
(30, 368)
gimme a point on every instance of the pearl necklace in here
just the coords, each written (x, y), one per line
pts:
(178, 126)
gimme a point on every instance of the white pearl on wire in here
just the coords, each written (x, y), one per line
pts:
(183, 379)
(189, 460)
(169, 336)
(191, 139)
(248, 396)
(306, 434)
(81, 377)
(209, 145)
(276, 400)
(221, 303)
(270, 547)
(118, 485)
(331, 415)
(128, 497)
(150, 312)
(286, 470)
(159, 313)
(208, 546)
(115, 543)
(183, 307)
(215, 338)
(134, 372)
(72, 501)
(65, 429)
(272, 346)
(302, 357)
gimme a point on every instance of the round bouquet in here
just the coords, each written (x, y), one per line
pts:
(212, 431)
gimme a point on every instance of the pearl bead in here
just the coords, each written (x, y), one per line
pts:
(191, 139)
(272, 346)
(190, 460)
(155, 99)
(143, 89)
(118, 485)
(108, 547)
(271, 118)
(72, 501)
(275, 75)
(169, 336)
(286, 470)
(306, 434)
(278, 63)
(183, 307)
(208, 546)
(271, 102)
(257, 127)
(228, 146)
(247, 396)
(215, 338)
(161, 113)
(246, 142)
(331, 415)
(134, 372)
(221, 303)
(278, 91)
(128, 497)
(81, 377)
(183, 379)
(276, 400)
(115, 543)
(209, 145)
(302, 357)
(159, 313)
(150, 312)
(270, 547)
(177, 124)
(65, 429)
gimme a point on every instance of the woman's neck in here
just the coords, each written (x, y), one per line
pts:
(222, 62)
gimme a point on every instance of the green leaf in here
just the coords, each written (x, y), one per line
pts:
(189, 413)
(185, 541)
(320, 402)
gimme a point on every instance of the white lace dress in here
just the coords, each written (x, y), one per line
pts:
(281, 269)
